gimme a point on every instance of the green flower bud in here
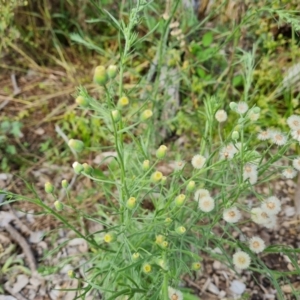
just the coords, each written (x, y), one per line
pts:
(147, 268)
(64, 184)
(112, 71)
(123, 101)
(135, 256)
(235, 135)
(191, 186)
(180, 230)
(78, 168)
(233, 106)
(163, 180)
(179, 200)
(100, 75)
(146, 114)
(58, 205)
(164, 244)
(146, 165)
(162, 263)
(156, 176)
(76, 145)
(109, 238)
(49, 188)
(82, 101)
(116, 115)
(168, 221)
(71, 273)
(131, 203)
(87, 169)
(196, 266)
(161, 152)
(256, 110)
(159, 239)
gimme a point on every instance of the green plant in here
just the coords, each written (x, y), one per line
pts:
(157, 225)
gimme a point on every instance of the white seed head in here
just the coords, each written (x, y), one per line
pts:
(256, 244)
(242, 107)
(296, 135)
(228, 151)
(200, 193)
(206, 204)
(174, 294)
(259, 216)
(289, 173)
(241, 260)
(293, 122)
(253, 116)
(296, 163)
(198, 161)
(264, 135)
(179, 165)
(278, 138)
(232, 215)
(221, 115)
(271, 205)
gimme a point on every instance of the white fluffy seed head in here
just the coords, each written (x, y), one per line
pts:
(250, 172)
(264, 135)
(198, 161)
(200, 193)
(253, 116)
(206, 204)
(221, 115)
(179, 165)
(296, 135)
(241, 260)
(293, 122)
(289, 173)
(228, 152)
(242, 107)
(296, 163)
(259, 216)
(232, 215)
(272, 222)
(278, 138)
(256, 244)
(271, 206)
(174, 294)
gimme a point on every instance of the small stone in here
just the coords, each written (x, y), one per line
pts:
(289, 211)
(22, 281)
(222, 294)
(237, 287)
(216, 265)
(213, 289)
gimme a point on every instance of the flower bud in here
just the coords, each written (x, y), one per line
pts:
(76, 145)
(131, 203)
(196, 266)
(71, 273)
(64, 184)
(87, 169)
(235, 135)
(256, 110)
(146, 114)
(49, 188)
(164, 244)
(233, 106)
(156, 176)
(191, 186)
(147, 268)
(168, 221)
(78, 168)
(162, 263)
(135, 256)
(180, 230)
(146, 165)
(109, 238)
(179, 200)
(123, 101)
(112, 71)
(58, 205)
(100, 75)
(116, 115)
(163, 180)
(161, 152)
(82, 101)
(159, 239)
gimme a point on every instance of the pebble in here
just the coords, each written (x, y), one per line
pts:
(237, 287)
(216, 265)
(213, 289)
(22, 281)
